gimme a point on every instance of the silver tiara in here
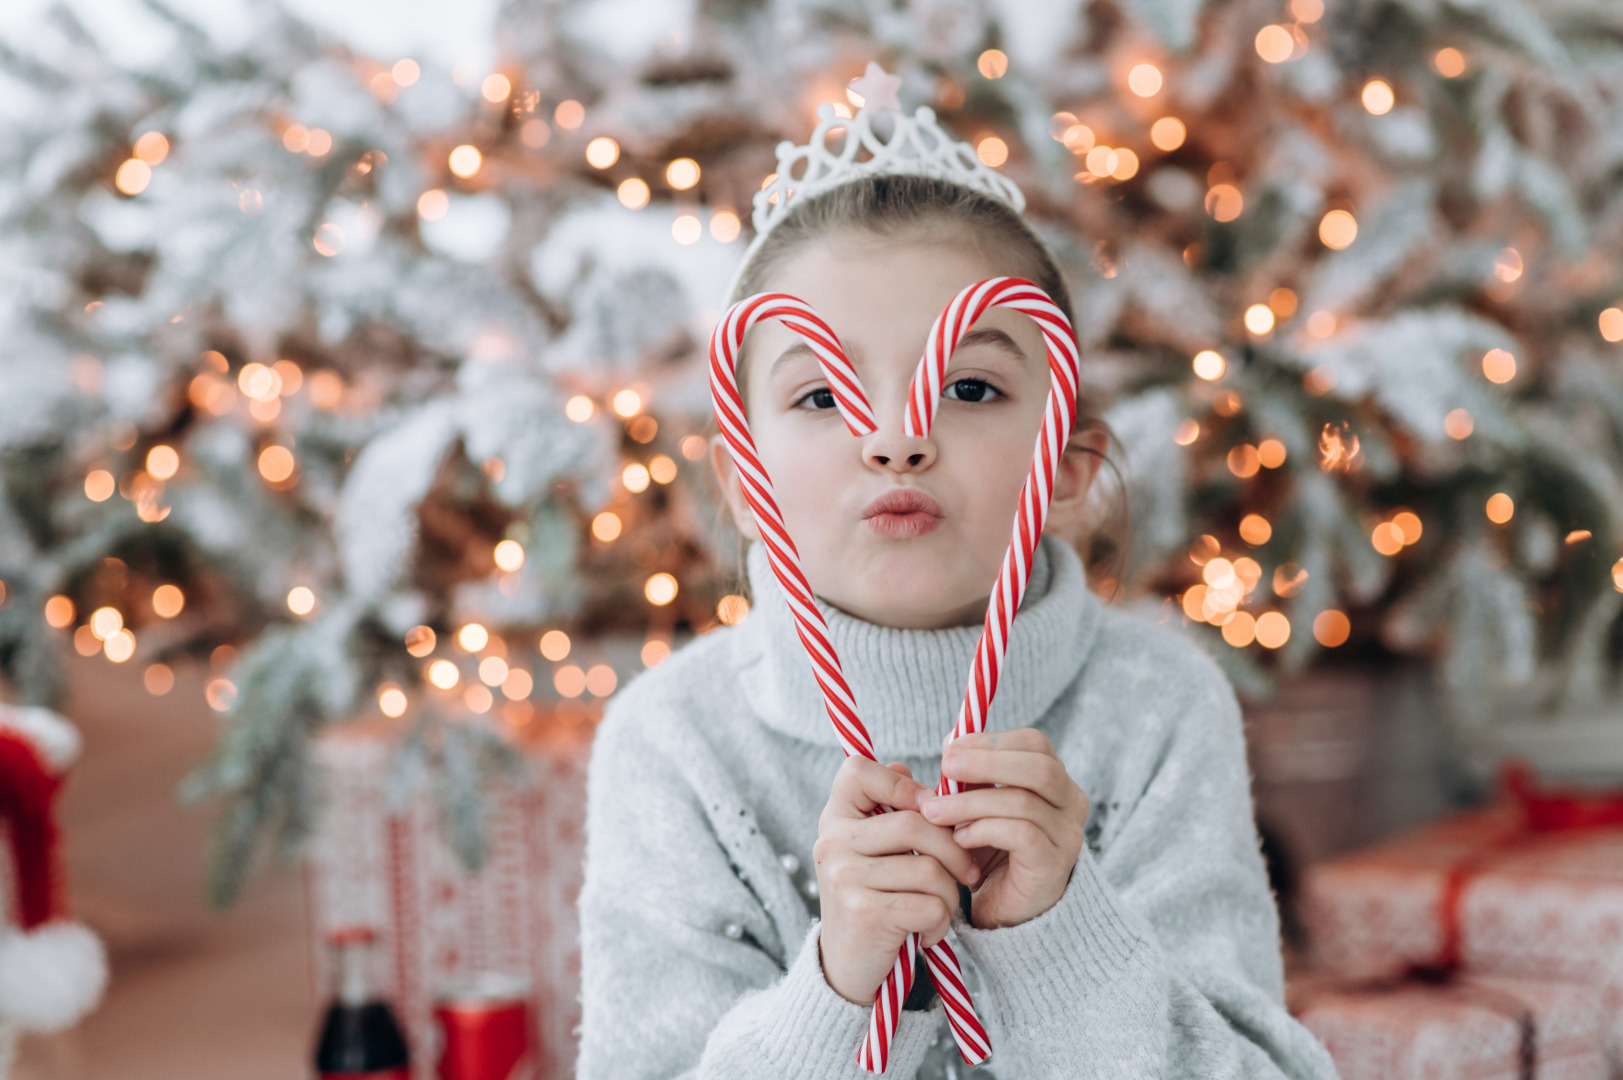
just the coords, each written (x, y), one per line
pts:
(916, 146)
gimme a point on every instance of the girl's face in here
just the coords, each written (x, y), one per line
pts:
(905, 532)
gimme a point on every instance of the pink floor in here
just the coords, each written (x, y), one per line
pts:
(195, 994)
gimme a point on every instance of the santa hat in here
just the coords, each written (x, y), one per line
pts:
(52, 970)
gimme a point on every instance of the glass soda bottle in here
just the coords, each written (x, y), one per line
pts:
(360, 1037)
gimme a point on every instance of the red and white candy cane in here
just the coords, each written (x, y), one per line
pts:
(924, 398)
(725, 343)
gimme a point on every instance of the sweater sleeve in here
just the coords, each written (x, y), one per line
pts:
(1161, 958)
(679, 975)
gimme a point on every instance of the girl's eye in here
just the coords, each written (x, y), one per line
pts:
(821, 398)
(970, 390)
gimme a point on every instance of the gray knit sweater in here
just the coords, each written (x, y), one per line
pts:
(698, 939)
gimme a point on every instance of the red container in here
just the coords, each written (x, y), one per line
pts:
(486, 1030)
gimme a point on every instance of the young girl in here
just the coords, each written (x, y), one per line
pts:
(1106, 894)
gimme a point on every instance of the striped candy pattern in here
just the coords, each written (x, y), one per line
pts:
(924, 396)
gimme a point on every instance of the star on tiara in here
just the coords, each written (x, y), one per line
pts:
(916, 145)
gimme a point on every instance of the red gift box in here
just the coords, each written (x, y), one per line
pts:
(1472, 1027)
(390, 868)
(1484, 892)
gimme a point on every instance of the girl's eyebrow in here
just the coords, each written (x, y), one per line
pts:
(986, 335)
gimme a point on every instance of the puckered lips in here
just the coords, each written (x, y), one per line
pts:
(902, 513)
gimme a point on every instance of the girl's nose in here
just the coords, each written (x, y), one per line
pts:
(891, 448)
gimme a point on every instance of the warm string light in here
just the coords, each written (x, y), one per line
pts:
(725, 226)
(99, 485)
(1224, 202)
(555, 645)
(1611, 324)
(1449, 62)
(992, 151)
(465, 161)
(221, 694)
(660, 589)
(1339, 450)
(569, 114)
(508, 555)
(687, 229)
(992, 64)
(420, 641)
(1274, 43)
(1498, 366)
(1209, 365)
(682, 174)
(168, 601)
(1377, 97)
(1259, 320)
(496, 88)
(1458, 424)
(433, 204)
(635, 478)
(444, 674)
(602, 152)
(158, 679)
(1500, 508)
(732, 609)
(133, 176)
(1331, 628)
(633, 193)
(1145, 80)
(1338, 229)
(1168, 133)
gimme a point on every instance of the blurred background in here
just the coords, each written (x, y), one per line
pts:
(352, 414)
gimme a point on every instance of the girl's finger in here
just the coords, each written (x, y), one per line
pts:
(1042, 773)
(1022, 839)
(906, 831)
(906, 874)
(861, 785)
(1004, 802)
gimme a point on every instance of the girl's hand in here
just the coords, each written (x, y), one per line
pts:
(874, 889)
(1025, 833)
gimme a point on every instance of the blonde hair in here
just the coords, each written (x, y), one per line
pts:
(891, 206)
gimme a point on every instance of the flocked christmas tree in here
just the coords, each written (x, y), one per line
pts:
(370, 385)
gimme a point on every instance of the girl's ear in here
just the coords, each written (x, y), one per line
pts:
(1078, 467)
(732, 488)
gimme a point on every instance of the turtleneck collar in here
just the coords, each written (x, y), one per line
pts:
(909, 684)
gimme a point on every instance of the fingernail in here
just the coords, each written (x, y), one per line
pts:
(931, 807)
(974, 873)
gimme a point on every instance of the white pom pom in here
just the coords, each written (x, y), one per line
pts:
(51, 977)
(57, 741)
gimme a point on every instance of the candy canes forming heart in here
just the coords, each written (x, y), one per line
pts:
(924, 398)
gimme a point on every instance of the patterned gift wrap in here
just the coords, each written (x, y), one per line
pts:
(1480, 887)
(1472, 1027)
(389, 868)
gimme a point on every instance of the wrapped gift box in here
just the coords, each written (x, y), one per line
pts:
(1505, 900)
(389, 868)
(1481, 1027)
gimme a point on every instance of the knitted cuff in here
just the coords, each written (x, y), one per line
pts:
(1041, 971)
(819, 1033)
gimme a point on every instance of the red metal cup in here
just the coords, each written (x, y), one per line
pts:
(486, 1030)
